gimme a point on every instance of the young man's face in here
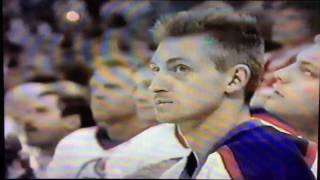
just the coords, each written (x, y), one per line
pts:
(42, 121)
(289, 24)
(296, 91)
(143, 96)
(186, 83)
(38, 64)
(111, 94)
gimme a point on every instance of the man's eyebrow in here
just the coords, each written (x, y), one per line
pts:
(41, 108)
(111, 85)
(153, 60)
(49, 92)
(306, 63)
(176, 59)
(173, 60)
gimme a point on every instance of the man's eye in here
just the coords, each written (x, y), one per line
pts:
(308, 73)
(154, 68)
(146, 83)
(41, 110)
(111, 86)
(181, 68)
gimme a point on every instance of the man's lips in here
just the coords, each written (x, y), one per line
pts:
(30, 128)
(163, 101)
(144, 106)
(278, 93)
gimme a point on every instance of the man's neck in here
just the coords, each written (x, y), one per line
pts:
(44, 157)
(203, 133)
(313, 137)
(299, 41)
(47, 151)
(126, 129)
(311, 134)
(305, 129)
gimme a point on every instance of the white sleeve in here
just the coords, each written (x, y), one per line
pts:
(213, 168)
(174, 171)
(61, 163)
(314, 167)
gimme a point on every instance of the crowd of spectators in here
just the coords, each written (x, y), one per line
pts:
(55, 47)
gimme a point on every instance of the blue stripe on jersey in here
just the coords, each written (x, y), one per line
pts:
(265, 153)
(262, 152)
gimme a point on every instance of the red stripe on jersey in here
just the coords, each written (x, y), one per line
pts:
(311, 153)
(276, 123)
(230, 163)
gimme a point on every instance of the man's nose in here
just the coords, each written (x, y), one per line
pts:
(139, 94)
(26, 120)
(159, 83)
(281, 76)
(95, 93)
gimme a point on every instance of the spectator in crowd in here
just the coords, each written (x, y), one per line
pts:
(298, 105)
(295, 95)
(87, 31)
(114, 111)
(142, 96)
(142, 157)
(294, 27)
(206, 91)
(48, 112)
(11, 64)
(70, 64)
(264, 21)
(16, 165)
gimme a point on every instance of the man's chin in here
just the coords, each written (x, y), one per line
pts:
(37, 143)
(165, 118)
(108, 122)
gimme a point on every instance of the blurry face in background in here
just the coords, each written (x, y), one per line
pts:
(39, 115)
(143, 96)
(290, 25)
(42, 121)
(11, 71)
(296, 91)
(111, 94)
(18, 98)
(186, 83)
(37, 64)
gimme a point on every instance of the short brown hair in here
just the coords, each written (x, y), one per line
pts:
(237, 33)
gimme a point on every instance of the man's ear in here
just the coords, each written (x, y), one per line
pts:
(239, 75)
(72, 122)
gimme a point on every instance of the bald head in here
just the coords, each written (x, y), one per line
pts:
(16, 98)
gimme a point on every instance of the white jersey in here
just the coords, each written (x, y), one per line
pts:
(147, 155)
(79, 155)
(10, 126)
(314, 167)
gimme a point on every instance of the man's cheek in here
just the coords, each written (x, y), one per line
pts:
(312, 91)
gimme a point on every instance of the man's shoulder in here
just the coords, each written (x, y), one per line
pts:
(266, 139)
(154, 131)
(150, 138)
(83, 132)
(265, 152)
(80, 136)
(147, 154)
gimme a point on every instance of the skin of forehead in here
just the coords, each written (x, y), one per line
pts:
(27, 90)
(49, 100)
(25, 96)
(118, 75)
(207, 43)
(143, 74)
(310, 54)
(69, 87)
